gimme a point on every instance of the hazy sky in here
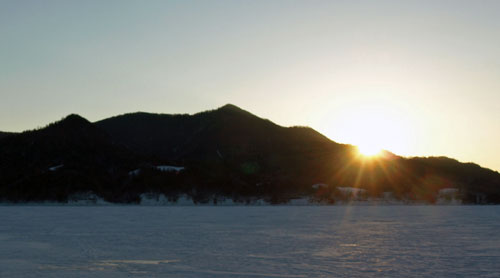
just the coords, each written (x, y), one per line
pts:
(415, 77)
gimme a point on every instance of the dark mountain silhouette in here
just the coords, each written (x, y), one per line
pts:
(234, 149)
(5, 134)
(65, 157)
(226, 132)
(226, 152)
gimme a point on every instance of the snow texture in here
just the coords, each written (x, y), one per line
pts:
(319, 185)
(351, 190)
(448, 191)
(135, 172)
(55, 168)
(168, 168)
(256, 241)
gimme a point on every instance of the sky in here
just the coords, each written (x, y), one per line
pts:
(418, 78)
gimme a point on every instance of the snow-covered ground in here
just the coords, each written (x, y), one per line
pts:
(255, 241)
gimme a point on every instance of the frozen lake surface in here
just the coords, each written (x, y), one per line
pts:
(265, 241)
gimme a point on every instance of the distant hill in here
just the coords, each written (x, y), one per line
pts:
(225, 152)
(224, 133)
(5, 134)
(65, 157)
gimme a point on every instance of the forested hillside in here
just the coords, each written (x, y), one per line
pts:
(227, 152)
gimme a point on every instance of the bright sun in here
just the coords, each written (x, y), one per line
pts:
(369, 150)
(373, 127)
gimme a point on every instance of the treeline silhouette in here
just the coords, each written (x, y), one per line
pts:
(5, 134)
(227, 152)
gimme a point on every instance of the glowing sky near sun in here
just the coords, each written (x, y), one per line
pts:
(413, 77)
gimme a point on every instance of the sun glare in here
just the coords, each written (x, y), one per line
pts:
(373, 127)
(369, 150)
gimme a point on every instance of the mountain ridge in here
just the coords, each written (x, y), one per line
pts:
(225, 152)
(5, 134)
